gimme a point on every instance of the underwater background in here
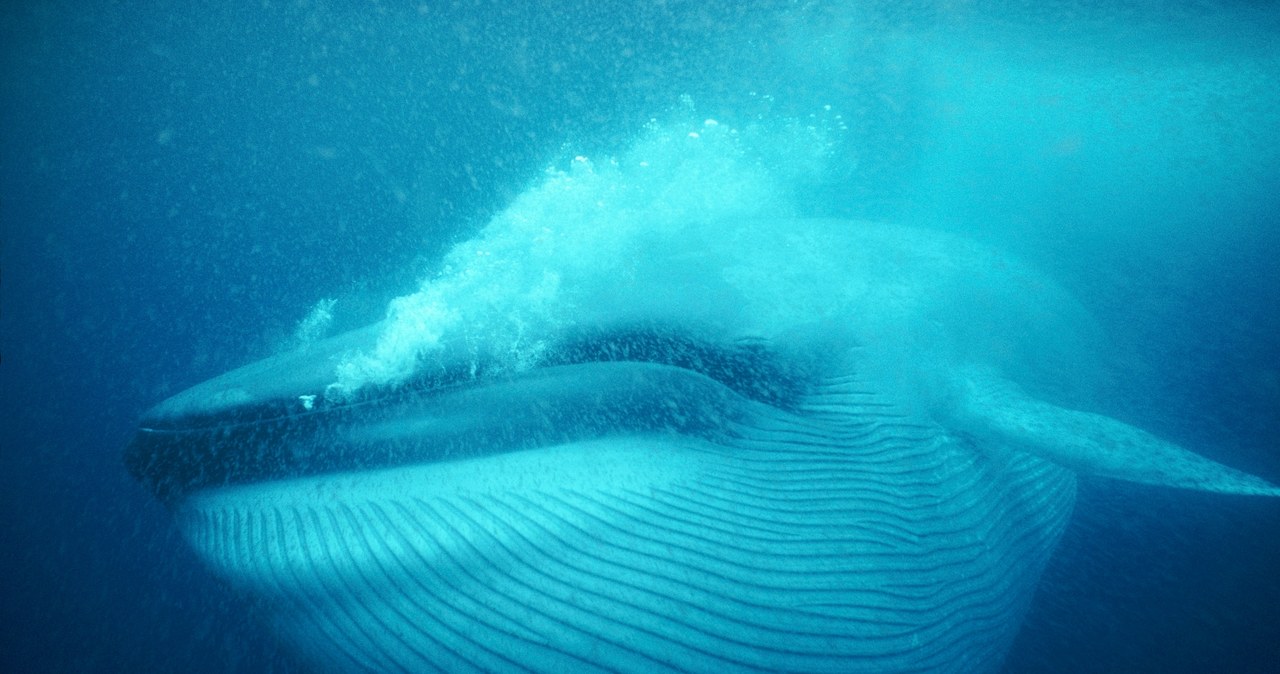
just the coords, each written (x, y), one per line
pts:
(183, 187)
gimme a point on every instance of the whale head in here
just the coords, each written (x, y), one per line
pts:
(717, 441)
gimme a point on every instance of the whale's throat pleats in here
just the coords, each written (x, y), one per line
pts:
(838, 535)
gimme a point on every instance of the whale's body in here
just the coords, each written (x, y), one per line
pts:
(784, 445)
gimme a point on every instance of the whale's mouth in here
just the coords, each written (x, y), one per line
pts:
(606, 512)
(604, 384)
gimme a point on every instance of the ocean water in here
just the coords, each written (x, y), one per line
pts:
(186, 190)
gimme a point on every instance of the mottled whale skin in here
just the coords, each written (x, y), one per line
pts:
(790, 446)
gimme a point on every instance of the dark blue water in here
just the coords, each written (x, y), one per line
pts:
(180, 187)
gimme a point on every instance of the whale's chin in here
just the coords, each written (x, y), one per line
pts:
(834, 535)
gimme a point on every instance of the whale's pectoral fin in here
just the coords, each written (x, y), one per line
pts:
(997, 416)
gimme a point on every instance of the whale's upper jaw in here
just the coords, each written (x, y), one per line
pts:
(271, 420)
(922, 312)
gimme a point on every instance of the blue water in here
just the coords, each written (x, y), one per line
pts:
(181, 187)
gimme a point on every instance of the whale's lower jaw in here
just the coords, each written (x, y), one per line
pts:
(838, 538)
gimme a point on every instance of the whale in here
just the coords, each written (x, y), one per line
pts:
(710, 444)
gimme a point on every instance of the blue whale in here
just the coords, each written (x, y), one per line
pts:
(743, 446)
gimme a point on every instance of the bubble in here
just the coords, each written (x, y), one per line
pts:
(589, 238)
